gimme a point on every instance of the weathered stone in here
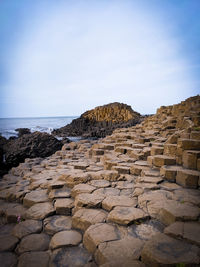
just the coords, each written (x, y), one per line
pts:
(108, 191)
(149, 179)
(126, 215)
(127, 263)
(189, 159)
(34, 197)
(82, 188)
(189, 144)
(34, 259)
(57, 223)
(64, 206)
(100, 183)
(60, 193)
(70, 256)
(188, 178)
(187, 230)
(112, 201)
(83, 218)
(169, 172)
(174, 211)
(34, 242)
(108, 175)
(156, 150)
(26, 228)
(88, 200)
(8, 242)
(160, 160)
(8, 259)
(122, 169)
(162, 250)
(146, 231)
(39, 211)
(65, 238)
(81, 165)
(184, 195)
(99, 233)
(12, 213)
(122, 250)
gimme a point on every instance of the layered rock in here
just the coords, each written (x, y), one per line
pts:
(101, 121)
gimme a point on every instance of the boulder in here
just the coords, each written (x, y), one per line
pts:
(32, 145)
(22, 131)
(101, 121)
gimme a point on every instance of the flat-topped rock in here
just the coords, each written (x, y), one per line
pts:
(57, 223)
(64, 206)
(83, 218)
(82, 188)
(8, 259)
(40, 211)
(8, 242)
(175, 211)
(169, 172)
(184, 195)
(34, 259)
(160, 160)
(34, 242)
(108, 191)
(108, 175)
(99, 233)
(122, 250)
(34, 197)
(70, 256)
(100, 183)
(126, 215)
(26, 228)
(60, 193)
(112, 201)
(12, 213)
(163, 250)
(65, 238)
(188, 178)
(126, 262)
(186, 230)
(88, 200)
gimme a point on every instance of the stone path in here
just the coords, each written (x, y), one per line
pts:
(130, 199)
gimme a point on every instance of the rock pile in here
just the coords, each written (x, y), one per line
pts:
(101, 121)
(130, 199)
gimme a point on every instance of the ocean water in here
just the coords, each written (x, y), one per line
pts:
(42, 124)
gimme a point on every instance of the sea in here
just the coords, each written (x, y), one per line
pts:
(42, 124)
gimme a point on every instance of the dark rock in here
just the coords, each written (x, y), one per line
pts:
(32, 145)
(3, 167)
(101, 121)
(22, 131)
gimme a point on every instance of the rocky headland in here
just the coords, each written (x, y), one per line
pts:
(129, 199)
(101, 121)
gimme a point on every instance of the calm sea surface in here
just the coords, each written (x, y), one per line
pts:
(43, 124)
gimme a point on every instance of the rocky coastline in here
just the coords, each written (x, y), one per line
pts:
(129, 199)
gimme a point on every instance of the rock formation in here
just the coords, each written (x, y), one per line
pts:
(101, 121)
(22, 131)
(130, 199)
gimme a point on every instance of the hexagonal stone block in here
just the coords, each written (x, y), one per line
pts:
(100, 183)
(60, 193)
(26, 228)
(8, 242)
(40, 211)
(8, 259)
(99, 233)
(160, 160)
(126, 215)
(112, 201)
(163, 250)
(89, 200)
(82, 188)
(57, 223)
(34, 259)
(64, 206)
(188, 178)
(83, 218)
(34, 197)
(65, 238)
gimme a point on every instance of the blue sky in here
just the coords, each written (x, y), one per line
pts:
(64, 57)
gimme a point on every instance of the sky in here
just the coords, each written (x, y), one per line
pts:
(61, 58)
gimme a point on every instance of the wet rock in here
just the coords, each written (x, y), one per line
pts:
(34, 259)
(57, 223)
(39, 211)
(70, 256)
(26, 228)
(83, 218)
(162, 250)
(33, 242)
(99, 233)
(65, 238)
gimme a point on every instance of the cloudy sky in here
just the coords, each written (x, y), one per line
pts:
(61, 58)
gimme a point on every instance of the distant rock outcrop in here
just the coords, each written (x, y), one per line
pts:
(22, 131)
(32, 145)
(101, 121)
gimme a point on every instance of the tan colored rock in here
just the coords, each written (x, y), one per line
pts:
(8, 242)
(65, 238)
(100, 183)
(127, 263)
(82, 188)
(34, 259)
(39, 211)
(189, 144)
(57, 223)
(63, 206)
(112, 201)
(156, 150)
(108, 191)
(122, 250)
(126, 215)
(162, 250)
(12, 213)
(83, 218)
(184, 195)
(34, 242)
(34, 197)
(88, 200)
(189, 159)
(122, 169)
(188, 178)
(60, 193)
(99, 233)
(26, 228)
(160, 160)
(169, 172)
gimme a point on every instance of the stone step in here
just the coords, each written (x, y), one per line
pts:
(160, 160)
(189, 144)
(190, 158)
(169, 172)
(195, 135)
(170, 150)
(156, 150)
(188, 178)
